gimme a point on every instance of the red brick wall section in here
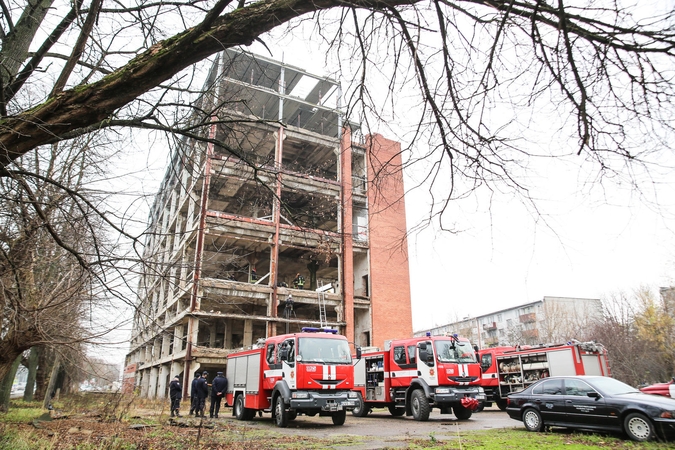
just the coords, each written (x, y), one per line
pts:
(129, 379)
(389, 273)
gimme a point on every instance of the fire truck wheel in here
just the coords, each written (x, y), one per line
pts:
(339, 417)
(280, 412)
(396, 412)
(532, 420)
(638, 427)
(419, 403)
(239, 410)
(501, 403)
(461, 412)
(360, 410)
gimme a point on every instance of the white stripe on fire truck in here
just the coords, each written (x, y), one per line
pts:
(273, 373)
(329, 373)
(403, 373)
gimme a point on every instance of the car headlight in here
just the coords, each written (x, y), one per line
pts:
(442, 390)
(481, 390)
(668, 415)
(353, 395)
(300, 395)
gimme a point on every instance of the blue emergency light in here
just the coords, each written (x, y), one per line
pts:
(318, 330)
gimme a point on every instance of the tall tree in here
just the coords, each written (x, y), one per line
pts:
(481, 70)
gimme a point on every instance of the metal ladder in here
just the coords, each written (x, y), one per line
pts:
(323, 322)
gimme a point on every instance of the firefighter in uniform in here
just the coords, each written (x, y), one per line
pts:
(299, 281)
(175, 393)
(194, 403)
(218, 390)
(202, 393)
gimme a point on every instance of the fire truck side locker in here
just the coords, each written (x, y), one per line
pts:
(375, 381)
(244, 371)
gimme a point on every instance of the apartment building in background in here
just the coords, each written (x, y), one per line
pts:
(281, 187)
(552, 320)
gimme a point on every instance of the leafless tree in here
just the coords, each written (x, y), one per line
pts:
(54, 261)
(482, 72)
(636, 355)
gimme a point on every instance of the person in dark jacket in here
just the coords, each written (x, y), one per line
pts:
(218, 390)
(202, 393)
(175, 393)
(193, 393)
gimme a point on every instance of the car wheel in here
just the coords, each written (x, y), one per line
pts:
(419, 404)
(396, 412)
(280, 413)
(638, 427)
(339, 417)
(532, 420)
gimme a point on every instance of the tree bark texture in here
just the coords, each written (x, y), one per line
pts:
(6, 384)
(29, 392)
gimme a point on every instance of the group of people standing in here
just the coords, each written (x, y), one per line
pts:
(199, 392)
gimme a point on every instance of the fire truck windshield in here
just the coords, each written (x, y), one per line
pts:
(323, 351)
(457, 352)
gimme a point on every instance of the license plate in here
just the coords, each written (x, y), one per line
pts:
(348, 403)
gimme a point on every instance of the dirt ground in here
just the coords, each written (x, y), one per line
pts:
(150, 429)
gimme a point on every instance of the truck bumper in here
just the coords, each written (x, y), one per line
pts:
(456, 395)
(335, 401)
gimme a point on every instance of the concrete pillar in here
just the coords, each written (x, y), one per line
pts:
(227, 338)
(178, 338)
(248, 333)
(347, 269)
(166, 342)
(177, 368)
(212, 335)
(195, 331)
(144, 383)
(152, 382)
(161, 382)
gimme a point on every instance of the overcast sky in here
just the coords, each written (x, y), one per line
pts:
(588, 239)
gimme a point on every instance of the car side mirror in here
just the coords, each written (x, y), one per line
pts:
(358, 352)
(593, 394)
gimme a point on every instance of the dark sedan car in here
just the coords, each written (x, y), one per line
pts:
(593, 403)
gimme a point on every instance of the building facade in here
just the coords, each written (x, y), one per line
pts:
(547, 321)
(278, 216)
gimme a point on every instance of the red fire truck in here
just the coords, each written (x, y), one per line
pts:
(512, 369)
(309, 373)
(412, 376)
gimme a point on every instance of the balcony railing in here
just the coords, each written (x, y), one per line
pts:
(526, 318)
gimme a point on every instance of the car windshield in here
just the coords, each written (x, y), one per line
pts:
(325, 351)
(452, 351)
(610, 386)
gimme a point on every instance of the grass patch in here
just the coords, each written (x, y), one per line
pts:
(21, 414)
(505, 439)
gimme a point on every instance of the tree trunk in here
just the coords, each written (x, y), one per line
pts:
(41, 373)
(6, 384)
(52, 383)
(32, 368)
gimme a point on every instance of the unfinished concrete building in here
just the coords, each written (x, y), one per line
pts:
(280, 187)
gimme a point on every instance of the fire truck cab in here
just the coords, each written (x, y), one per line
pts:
(412, 376)
(302, 373)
